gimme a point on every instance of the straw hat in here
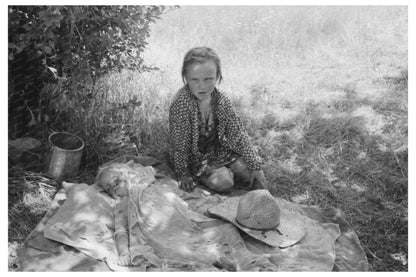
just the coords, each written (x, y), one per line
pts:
(258, 214)
(258, 210)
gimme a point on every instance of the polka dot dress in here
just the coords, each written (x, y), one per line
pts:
(184, 120)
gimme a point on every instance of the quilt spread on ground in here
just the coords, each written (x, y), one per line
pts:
(172, 230)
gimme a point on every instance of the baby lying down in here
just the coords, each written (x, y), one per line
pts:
(114, 180)
(172, 230)
(118, 181)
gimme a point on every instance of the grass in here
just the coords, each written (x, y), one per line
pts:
(29, 195)
(322, 92)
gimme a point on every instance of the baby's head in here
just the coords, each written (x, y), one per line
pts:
(114, 179)
(200, 55)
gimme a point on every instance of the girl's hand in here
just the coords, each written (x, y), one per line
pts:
(186, 184)
(124, 260)
(258, 175)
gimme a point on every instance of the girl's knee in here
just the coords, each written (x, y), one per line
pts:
(240, 170)
(220, 180)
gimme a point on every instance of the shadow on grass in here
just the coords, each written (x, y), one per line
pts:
(339, 163)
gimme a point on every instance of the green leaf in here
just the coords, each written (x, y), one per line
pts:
(50, 34)
(47, 50)
(28, 27)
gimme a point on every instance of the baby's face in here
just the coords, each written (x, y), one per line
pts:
(115, 184)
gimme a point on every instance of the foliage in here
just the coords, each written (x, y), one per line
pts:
(91, 39)
(71, 46)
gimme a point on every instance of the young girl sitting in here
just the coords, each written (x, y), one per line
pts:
(208, 141)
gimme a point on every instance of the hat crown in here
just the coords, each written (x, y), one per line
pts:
(257, 209)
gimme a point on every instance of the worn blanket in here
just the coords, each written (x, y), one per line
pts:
(171, 230)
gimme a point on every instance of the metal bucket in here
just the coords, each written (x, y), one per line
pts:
(65, 156)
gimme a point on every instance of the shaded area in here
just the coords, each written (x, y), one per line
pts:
(351, 154)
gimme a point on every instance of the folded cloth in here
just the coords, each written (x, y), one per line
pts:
(350, 255)
(169, 231)
(85, 221)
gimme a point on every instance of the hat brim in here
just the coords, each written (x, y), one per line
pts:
(290, 230)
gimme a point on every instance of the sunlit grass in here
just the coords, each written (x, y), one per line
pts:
(323, 94)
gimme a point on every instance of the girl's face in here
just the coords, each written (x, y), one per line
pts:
(201, 79)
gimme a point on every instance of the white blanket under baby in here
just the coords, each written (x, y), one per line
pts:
(170, 230)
